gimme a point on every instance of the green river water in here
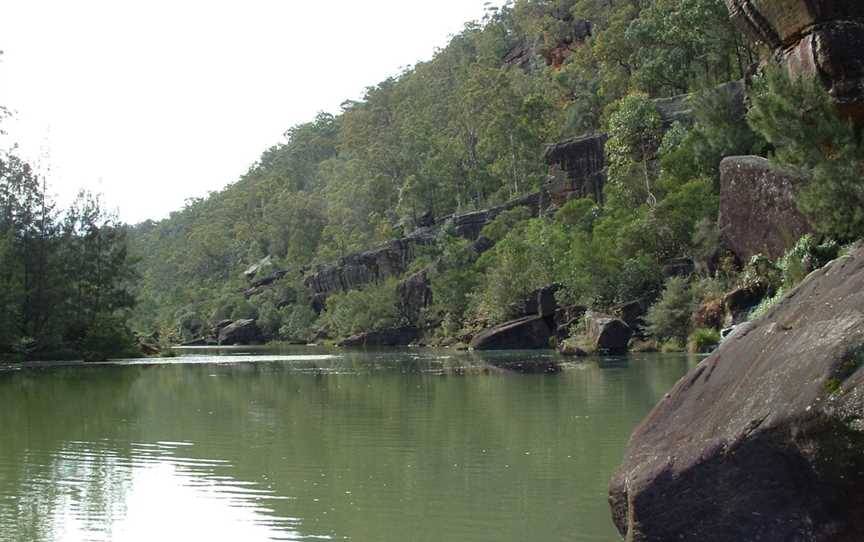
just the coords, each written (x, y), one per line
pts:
(306, 444)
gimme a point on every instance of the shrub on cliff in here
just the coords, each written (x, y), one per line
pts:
(703, 341)
(373, 308)
(805, 257)
(801, 121)
(670, 317)
(526, 259)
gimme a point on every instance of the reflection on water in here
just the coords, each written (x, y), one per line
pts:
(247, 444)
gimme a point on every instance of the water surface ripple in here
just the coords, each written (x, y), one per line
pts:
(251, 444)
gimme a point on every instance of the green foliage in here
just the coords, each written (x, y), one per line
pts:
(719, 130)
(269, 319)
(635, 130)
(780, 277)
(526, 259)
(703, 341)
(108, 337)
(613, 263)
(298, 323)
(669, 318)
(504, 223)
(370, 309)
(678, 42)
(766, 304)
(578, 214)
(61, 274)
(805, 257)
(799, 119)
(677, 215)
(761, 273)
(460, 132)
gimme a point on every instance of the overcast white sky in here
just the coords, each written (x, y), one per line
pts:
(154, 101)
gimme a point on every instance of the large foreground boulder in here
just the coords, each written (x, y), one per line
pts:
(763, 440)
(758, 213)
(528, 333)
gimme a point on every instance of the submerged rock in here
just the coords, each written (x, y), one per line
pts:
(529, 333)
(763, 440)
(570, 348)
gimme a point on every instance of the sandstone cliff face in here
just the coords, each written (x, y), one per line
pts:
(360, 269)
(577, 166)
(551, 50)
(822, 38)
(758, 213)
(764, 439)
(577, 169)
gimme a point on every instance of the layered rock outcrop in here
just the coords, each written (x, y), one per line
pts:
(549, 50)
(415, 294)
(577, 169)
(360, 269)
(764, 439)
(821, 38)
(758, 213)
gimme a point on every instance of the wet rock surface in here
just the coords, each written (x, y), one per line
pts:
(763, 440)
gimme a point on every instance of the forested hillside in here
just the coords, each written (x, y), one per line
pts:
(467, 130)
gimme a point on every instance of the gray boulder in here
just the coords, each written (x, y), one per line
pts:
(528, 333)
(607, 334)
(764, 439)
(758, 213)
(403, 336)
(241, 332)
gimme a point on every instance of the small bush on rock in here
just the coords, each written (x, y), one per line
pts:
(703, 341)
(669, 318)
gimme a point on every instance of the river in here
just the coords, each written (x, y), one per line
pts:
(308, 444)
